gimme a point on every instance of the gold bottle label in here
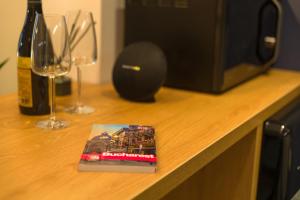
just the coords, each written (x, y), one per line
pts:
(24, 82)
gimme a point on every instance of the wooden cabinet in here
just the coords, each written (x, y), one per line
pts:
(208, 145)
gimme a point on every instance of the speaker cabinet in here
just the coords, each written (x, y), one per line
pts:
(212, 45)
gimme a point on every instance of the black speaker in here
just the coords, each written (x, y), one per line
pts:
(139, 71)
(211, 45)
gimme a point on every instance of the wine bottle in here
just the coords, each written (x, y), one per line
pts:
(32, 89)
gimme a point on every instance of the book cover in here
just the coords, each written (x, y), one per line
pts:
(120, 148)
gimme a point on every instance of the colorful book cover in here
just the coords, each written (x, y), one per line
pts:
(120, 148)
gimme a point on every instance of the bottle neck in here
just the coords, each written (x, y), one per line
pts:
(34, 5)
(34, 2)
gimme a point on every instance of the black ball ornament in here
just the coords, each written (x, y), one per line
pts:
(140, 71)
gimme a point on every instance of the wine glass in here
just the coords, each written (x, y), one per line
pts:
(83, 49)
(51, 57)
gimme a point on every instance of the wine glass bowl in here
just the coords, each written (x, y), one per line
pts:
(50, 57)
(83, 46)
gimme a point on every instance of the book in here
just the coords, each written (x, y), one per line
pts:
(120, 148)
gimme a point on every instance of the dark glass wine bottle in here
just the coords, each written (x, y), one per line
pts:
(32, 89)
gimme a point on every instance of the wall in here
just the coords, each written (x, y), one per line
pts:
(12, 15)
(290, 41)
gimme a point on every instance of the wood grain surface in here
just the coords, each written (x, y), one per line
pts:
(192, 129)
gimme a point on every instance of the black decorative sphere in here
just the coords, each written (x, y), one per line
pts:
(140, 71)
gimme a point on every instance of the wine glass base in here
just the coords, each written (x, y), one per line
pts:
(52, 124)
(81, 110)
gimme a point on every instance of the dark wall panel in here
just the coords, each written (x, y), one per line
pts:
(289, 56)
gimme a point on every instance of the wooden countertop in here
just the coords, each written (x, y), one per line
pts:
(192, 129)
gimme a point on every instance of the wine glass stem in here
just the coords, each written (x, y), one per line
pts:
(79, 104)
(52, 97)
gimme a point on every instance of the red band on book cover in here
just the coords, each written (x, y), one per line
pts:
(118, 156)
